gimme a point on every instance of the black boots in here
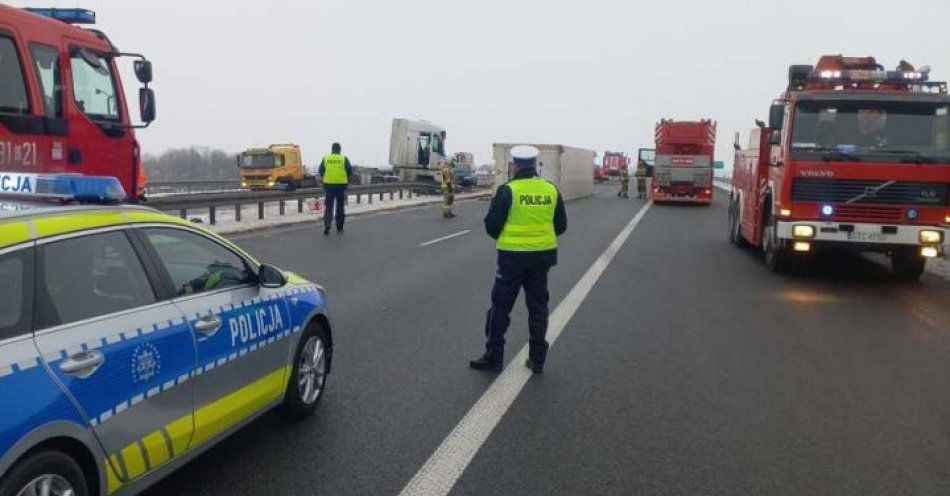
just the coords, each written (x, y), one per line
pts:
(487, 363)
(536, 368)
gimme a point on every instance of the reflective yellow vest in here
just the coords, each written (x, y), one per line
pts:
(530, 224)
(334, 169)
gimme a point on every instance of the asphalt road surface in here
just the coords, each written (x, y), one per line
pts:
(689, 368)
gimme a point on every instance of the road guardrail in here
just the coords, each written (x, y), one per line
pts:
(212, 202)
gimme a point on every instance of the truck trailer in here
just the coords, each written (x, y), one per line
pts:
(416, 150)
(570, 169)
(854, 157)
(683, 163)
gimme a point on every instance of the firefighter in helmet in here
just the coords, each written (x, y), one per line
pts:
(448, 189)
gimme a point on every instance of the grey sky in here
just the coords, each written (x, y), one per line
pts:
(595, 74)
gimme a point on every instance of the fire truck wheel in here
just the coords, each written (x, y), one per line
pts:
(776, 256)
(907, 264)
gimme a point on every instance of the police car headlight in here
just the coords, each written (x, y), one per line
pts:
(930, 237)
(803, 231)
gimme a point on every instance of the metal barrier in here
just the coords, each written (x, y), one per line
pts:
(189, 186)
(213, 201)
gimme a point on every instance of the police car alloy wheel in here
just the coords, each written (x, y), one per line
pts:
(47, 473)
(308, 380)
(310, 372)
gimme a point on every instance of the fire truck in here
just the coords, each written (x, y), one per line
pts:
(613, 163)
(683, 164)
(853, 157)
(62, 105)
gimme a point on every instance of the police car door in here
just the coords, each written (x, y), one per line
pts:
(242, 354)
(124, 356)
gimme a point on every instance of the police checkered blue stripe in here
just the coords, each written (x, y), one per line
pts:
(19, 362)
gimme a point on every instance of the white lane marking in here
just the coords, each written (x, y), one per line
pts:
(443, 238)
(446, 464)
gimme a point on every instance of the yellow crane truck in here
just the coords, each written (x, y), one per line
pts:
(278, 166)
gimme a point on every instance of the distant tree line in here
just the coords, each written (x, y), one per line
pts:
(194, 163)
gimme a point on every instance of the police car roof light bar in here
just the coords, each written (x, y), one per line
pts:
(70, 16)
(62, 187)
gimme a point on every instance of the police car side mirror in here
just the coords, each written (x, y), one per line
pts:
(271, 277)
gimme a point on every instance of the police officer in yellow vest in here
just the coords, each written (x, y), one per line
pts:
(336, 172)
(526, 217)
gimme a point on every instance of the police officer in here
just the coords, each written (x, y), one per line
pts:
(336, 171)
(526, 217)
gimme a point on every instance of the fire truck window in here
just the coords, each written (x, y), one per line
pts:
(942, 129)
(13, 95)
(46, 61)
(93, 88)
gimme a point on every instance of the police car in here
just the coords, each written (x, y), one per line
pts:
(131, 340)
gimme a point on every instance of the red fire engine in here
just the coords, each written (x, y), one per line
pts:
(62, 106)
(683, 165)
(855, 157)
(614, 163)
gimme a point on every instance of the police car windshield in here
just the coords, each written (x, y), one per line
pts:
(261, 160)
(872, 131)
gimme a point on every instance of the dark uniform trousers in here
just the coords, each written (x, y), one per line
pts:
(335, 199)
(508, 281)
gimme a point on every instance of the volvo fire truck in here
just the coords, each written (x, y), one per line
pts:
(683, 164)
(62, 105)
(853, 157)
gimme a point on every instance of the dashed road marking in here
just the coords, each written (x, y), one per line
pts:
(443, 468)
(443, 238)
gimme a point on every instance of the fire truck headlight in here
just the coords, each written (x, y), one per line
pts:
(785, 212)
(802, 246)
(803, 231)
(931, 237)
(928, 251)
(946, 218)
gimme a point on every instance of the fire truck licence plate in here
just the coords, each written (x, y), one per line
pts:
(867, 237)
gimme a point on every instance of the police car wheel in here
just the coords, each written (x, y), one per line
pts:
(47, 472)
(309, 377)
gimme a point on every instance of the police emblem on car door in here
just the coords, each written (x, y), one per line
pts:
(241, 327)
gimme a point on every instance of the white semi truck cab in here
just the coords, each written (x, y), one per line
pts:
(416, 150)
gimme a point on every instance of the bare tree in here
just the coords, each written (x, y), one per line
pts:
(194, 163)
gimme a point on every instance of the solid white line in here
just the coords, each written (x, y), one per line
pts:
(446, 464)
(443, 238)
